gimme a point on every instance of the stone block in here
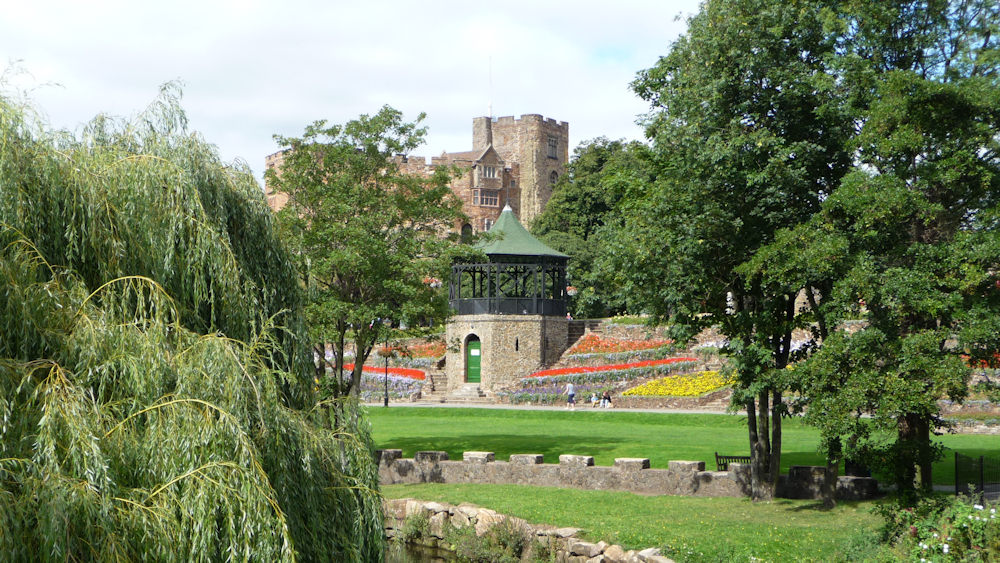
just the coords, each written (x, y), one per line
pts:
(645, 554)
(486, 520)
(435, 507)
(395, 508)
(386, 457)
(686, 466)
(414, 507)
(566, 532)
(586, 549)
(438, 522)
(430, 457)
(526, 459)
(659, 559)
(597, 559)
(478, 457)
(460, 519)
(629, 464)
(614, 554)
(576, 461)
(602, 546)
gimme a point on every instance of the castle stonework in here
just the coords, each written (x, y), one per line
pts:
(512, 162)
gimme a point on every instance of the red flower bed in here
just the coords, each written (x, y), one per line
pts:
(592, 369)
(594, 344)
(434, 349)
(399, 372)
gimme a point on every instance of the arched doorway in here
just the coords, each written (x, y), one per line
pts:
(473, 359)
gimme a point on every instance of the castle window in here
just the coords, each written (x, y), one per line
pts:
(512, 184)
(553, 177)
(489, 172)
(489, 198)
(466, 233)
(475, 197)
(487, 224)
(553, 147)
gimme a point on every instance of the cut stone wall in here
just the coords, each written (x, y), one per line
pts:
(687, 478)
(512, 347)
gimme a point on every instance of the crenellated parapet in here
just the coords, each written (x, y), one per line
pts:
(684, 478)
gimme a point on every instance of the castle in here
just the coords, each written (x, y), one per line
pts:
(513, 162)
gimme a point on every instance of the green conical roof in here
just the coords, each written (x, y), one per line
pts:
(516, 239)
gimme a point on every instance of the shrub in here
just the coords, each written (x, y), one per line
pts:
(943, 529)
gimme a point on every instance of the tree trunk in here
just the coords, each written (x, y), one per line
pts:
(924, 438)
(829, 489)
(760, 483)
(775, 454)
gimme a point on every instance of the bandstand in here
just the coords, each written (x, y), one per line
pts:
(511, 311)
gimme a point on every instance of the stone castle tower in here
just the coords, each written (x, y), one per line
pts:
(513, 162)
(538, 146)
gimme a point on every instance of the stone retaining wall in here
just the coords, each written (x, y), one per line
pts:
(563, 542)
(687, 478)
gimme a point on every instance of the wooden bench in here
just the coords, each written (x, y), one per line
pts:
(722, 461)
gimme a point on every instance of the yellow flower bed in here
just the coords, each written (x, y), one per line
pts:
(692, 385)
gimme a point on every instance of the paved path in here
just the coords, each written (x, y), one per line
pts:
(540, 408)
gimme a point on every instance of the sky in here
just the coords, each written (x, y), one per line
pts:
(252, 69)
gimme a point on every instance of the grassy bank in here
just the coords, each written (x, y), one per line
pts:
(607, 435)
(687, 528)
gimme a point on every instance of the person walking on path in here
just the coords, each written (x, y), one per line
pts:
(571, 396)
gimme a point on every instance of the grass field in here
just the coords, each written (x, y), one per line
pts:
(607, 435)
(686, 528)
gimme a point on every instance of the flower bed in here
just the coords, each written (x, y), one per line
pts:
(432, 349)
(399, 372)
(616, 372)
(546, 387)
(373, 386)
(594, 344)
(693, 385)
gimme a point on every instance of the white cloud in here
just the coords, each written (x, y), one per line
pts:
(252, 69)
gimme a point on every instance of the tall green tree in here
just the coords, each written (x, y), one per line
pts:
(365, 234)
(748, 129)
(911, 234)
(598, 176)
(154, 386)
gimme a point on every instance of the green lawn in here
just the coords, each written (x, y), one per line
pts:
(607, 435)
(686, 528)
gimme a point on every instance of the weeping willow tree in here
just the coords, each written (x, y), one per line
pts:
(156, 402)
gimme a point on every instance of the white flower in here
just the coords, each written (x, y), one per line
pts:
(935, 534)
(945, 548)
(977, 506)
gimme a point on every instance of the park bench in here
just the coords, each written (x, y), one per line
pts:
(722, 461)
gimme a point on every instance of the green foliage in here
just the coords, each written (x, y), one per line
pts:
(155, 397)
(584, 200)
(942, 529)
(365, 235)
(748, 138)
(505, 542)
(908, 241)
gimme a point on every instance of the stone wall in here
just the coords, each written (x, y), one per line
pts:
(563, 543)
(687, 478)
(513, 346)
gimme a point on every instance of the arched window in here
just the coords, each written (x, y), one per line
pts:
(467, 233)
(553, 177)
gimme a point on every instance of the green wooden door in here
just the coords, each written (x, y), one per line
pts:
(473, 355)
